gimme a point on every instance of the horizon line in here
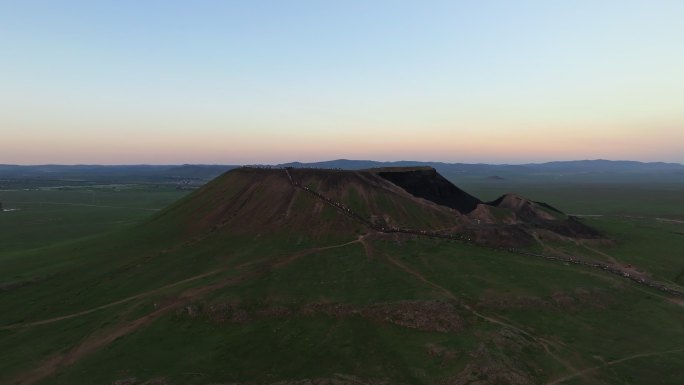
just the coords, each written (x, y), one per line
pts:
(328, 161)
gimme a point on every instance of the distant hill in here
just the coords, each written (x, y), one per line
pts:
(583, 170)
(601, 165)
(600, 171)
(115, 173)
(575, 166)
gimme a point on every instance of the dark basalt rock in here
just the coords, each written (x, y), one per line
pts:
(426, 183)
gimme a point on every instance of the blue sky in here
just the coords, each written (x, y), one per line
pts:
(258, 81)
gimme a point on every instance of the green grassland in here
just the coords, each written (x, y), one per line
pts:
(295, 307)
(645, 219)
(45, 216)
(658, 198)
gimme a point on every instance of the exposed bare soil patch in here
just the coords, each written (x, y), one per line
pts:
(338, 379)
(560, 300)
(437, 316)
(498, 360)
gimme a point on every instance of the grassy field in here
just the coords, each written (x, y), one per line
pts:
(659, 198)
(98, 286)
(645, 220)
(45, 216)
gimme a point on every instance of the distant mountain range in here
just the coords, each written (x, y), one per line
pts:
(131, 173)
(598, 165)
(203, 172)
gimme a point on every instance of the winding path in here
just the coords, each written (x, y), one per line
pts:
(607, 268)
(88, 205)
(111, 304)
(609, 363)
(102, 338)
(544, 343)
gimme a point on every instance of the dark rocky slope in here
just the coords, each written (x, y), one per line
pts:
(426, 183)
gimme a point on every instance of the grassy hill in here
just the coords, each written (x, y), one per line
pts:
(255, 279)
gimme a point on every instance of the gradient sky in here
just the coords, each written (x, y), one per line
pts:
(121, 82)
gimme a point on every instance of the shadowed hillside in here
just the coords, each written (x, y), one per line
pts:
(427, 183)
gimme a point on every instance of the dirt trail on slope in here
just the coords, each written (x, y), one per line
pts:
(558, 255)
(304, 253)
(421, 277)
(599, 252)
(111, 304)
(293, 257)
(541, 341)
(89, 205)
(99, 339)
(610, 363)
(613, 262)
(367, 248)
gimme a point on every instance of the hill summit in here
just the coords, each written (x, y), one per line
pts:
(328, 202)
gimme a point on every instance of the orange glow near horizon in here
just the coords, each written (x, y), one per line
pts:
(240, 83)
(489, 145)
